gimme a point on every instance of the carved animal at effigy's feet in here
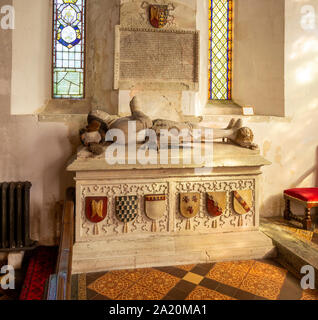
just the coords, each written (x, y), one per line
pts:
(100, 122)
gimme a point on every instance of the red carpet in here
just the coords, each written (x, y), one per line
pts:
(41, 266)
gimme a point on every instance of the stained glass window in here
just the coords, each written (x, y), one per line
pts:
(68, 49)
(220, 49)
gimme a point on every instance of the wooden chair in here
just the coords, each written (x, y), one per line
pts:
(308, 197)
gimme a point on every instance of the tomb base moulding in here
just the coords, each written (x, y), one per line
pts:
(155, 232)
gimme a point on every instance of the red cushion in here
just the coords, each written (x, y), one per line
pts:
(304, 194)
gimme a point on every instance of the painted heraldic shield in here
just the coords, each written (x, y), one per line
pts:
(126, 208)
(158, 15)
(96, 209)
(216, 203)
(155, 206)
(242, 201)
(189, 204)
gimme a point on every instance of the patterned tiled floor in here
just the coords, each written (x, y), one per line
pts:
(240, 280)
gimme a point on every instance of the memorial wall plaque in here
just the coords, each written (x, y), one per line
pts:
(156, 59)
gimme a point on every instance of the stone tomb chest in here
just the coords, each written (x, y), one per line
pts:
(132, 215)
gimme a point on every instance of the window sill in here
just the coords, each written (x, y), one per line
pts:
(225, 110)
(64, 110)
(222, 107)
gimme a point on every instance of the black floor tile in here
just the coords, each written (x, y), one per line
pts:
(74, 287)
(176, 294)
(225, 289)
(91, 277)
(209, 283)
(243, 295)
(205, 266)
(201, 270)
(100, 297)
(90, 294)
(179, 273)
(185, 286)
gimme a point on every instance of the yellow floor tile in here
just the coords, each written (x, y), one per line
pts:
(137, 292)
(159, 281)
(242, 265)
(230, 273)
(110, 285)
(201, 293)
(261, 286)
(268, 271)
(192, 277)
(132, 275)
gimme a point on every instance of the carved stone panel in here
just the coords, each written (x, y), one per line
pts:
(171, 220)
(111, 225)
(204, 222)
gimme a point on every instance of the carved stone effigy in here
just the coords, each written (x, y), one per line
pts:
(167, 214)
(101, 124)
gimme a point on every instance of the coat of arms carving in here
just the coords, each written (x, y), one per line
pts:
(126, 208)
(96, 210)
(242, 203)
(189, 206)
(155, 207)
(158, 15)
(216, 203)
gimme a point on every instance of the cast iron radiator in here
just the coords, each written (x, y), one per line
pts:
(14, 216)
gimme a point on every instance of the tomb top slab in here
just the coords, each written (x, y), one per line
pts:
(223, 156)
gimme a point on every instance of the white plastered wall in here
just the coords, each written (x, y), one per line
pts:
(31, 56)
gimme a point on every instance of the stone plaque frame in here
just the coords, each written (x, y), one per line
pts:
(156, 83)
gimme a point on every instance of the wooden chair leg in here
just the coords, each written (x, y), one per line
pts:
(307, 223)
(287, 211)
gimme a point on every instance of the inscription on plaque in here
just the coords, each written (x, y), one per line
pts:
(147, 56)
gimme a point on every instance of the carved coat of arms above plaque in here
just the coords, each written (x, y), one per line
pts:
(158, 15)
